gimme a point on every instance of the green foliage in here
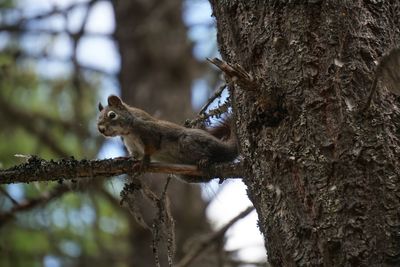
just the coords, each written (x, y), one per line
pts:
(49, 118)
(53, 118)
(6, 4)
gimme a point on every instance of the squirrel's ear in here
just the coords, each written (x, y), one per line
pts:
(100, 107)
(114, 101)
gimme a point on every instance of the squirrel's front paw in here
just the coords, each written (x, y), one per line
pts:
(142, 165)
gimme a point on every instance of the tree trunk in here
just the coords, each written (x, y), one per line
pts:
(157, 69)
(323, 176)
(157, 66)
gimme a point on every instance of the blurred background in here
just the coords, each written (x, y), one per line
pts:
(58, 59)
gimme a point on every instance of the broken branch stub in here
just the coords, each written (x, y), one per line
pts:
(236, 74)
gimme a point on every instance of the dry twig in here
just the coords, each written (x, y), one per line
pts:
(214, 237)
(215, 95)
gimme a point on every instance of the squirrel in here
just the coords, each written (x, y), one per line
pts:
(149, 138)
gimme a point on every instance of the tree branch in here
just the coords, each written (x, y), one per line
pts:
(56, 11)
(18, 29)
(32, 203)
(37, 169)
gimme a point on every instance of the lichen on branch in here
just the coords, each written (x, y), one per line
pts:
(36, 169)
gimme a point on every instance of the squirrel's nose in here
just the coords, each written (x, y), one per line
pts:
(101, 128)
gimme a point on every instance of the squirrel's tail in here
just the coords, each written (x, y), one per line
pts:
(225, 131)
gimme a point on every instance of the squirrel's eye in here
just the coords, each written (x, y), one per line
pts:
(111, 115)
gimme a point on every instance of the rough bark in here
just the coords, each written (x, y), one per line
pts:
(323, 176)
(157, 69)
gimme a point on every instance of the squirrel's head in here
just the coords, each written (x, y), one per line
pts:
(113, 119)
